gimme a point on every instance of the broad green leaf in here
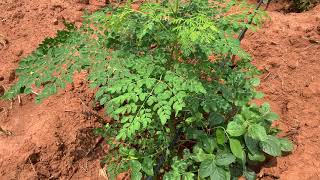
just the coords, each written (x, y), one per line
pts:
(135, 170)
(257, 132)
(208, 144)
(207, 167)
(271, 116)
(147, 166)
(236, 171)
(195, 134)
(224, 159)
(258, 95)
(215, 119)
(252, 144)
(200, 155)
(172, 175)
(220, 136)
(218, 174)
(286, 145)
(256, 157)
(250, 175)
(265, 108)
(254, 153)
(136, 175)
(255, 82)
(236, 148)
(271, 146)
(188, 176)
(236, 128)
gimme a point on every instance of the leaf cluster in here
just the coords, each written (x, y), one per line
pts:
(163, 68)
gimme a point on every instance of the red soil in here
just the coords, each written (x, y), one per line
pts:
(54, 140)
(287, 49)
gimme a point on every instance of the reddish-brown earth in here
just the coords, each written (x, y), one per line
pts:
(287, 49)
(54, 140)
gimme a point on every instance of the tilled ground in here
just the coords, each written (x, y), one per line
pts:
(287, 49)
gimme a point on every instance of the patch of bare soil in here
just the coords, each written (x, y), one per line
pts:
(287, 49)
(53, 140)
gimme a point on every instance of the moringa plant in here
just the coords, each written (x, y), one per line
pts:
(176, 83)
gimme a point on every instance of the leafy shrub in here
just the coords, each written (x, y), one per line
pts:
(161, 72)
(303, 5)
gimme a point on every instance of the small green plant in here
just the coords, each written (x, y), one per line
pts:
(160, 72)
(303, 5)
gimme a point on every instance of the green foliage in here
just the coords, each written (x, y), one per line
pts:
(153, 74)
(303, 5)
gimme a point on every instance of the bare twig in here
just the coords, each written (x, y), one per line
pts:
(5, 132)
(291, 133)
(35, 93)
(89, 112)
(73, 172)
(266, 76)
(34, 170)
(100, 140)
(86, 166)
(19, 100)
(103, 173)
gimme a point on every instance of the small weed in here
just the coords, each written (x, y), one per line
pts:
(303, 5)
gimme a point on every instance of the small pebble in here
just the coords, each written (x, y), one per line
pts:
(2, 90)
(19, 53)
(84, 1)
(12, 76)
(55, 22)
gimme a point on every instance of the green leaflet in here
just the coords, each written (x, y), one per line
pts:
(251, 144)
(208, 143)
(206, 168)
(271, 116)
(271, 146)
(236, 148)
(255, 154)
(209, 169)
(135, 170)
(235, 128)
(259, 157)
(255, 82)
(286, 145)
(225, 159)
(200, 155)
(164, 114)
(257, 132)
(220, 136)
(250, 175)
(188, 176)
(179, 170)
(215, 119)
(147, 166)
